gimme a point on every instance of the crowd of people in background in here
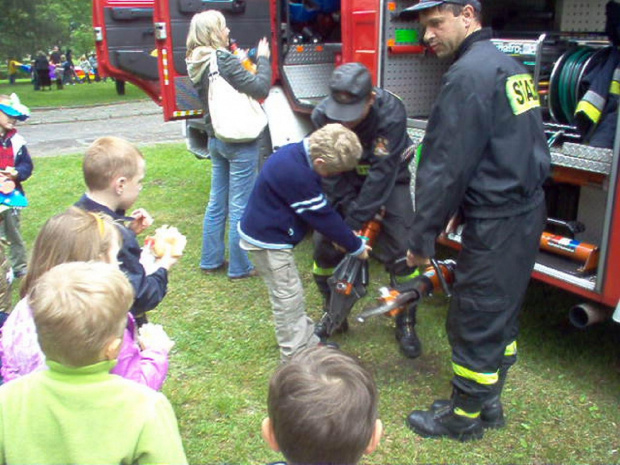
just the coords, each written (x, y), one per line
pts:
(57, 68)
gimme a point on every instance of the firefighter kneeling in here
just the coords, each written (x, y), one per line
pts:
(380, 182)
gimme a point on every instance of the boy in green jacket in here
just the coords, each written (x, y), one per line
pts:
(76, 411)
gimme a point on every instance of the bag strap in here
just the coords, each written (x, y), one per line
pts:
(213, 68)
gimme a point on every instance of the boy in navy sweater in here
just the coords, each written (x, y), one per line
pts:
(288, 199)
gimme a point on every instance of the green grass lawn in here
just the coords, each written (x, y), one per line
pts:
(561, 399)
(96, 93)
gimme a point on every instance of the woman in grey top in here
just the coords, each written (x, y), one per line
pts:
(234, 165)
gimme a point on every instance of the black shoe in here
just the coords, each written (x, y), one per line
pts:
(445, 423)
(320, 328)
(491, 415)
(408, 340)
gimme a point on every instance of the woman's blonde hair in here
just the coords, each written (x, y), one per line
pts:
(206, 30)
(72, 236)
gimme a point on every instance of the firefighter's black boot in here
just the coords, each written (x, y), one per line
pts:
(492, 412)
(491, 415)
(406, 335)
(451, 420)
(320, 328)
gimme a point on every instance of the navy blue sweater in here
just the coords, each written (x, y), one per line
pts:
(150, 289)
(286, 200)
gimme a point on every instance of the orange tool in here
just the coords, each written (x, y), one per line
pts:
(392, 301)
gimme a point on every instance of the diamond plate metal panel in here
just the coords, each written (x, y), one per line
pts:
(308, 54)
(587, 152)
(569, 155)
(308, 67)
(583, 157)
(560, 159)
(583, 15)
(309, 81)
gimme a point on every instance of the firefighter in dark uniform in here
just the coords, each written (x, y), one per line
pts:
(380, 183)
(484, 155)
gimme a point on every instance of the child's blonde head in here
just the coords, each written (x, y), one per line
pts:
(72, 236)
(206, 30)
(79, 309)
(338, 146)
(108, 158)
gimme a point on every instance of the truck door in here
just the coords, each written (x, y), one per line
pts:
(248, 21)
(125, 42)
(361, 20)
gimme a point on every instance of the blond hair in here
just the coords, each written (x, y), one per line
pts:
(206, 30)
(338, 146)
(79, 308)
(72, 236)
(108, 158)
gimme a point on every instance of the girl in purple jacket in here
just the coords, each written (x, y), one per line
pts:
(77, 235)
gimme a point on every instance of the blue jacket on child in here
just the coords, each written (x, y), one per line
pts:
(288, 199)
(150, 289)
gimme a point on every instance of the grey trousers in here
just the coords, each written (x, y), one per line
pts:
(294, 329)
(9, 229)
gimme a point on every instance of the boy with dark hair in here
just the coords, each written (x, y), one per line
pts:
(288, 199)
(77, 412)
(322, 409)
(113, 172)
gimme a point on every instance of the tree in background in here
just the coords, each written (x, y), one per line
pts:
(30, 25)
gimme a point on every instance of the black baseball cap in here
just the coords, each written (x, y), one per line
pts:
(350, 86)
(424, 4)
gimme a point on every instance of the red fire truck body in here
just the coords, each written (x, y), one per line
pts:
(143, 42)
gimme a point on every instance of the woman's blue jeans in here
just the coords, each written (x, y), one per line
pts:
(233, 172)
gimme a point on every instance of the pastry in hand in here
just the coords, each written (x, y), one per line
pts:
(167, 240)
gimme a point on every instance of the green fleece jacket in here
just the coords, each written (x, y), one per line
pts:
(86, 416)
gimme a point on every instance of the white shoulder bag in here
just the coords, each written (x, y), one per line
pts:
(235, 116)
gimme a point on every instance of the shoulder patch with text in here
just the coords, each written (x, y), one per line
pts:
(521, 93)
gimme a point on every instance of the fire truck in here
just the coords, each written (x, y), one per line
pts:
(561, 42)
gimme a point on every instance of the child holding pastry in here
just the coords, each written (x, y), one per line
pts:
(114, 171)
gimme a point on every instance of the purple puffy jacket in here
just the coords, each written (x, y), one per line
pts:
(21, 353)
